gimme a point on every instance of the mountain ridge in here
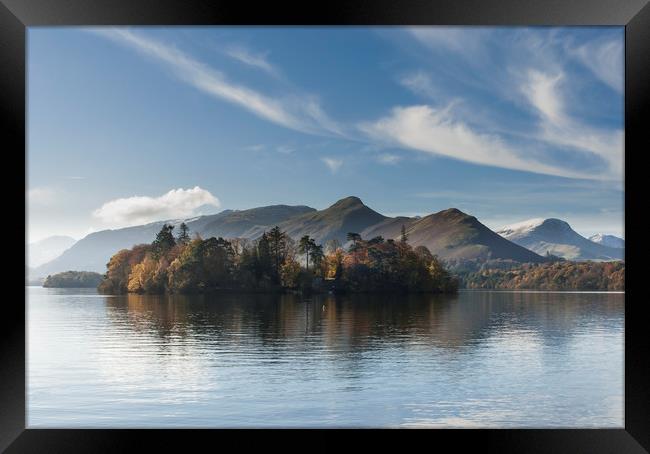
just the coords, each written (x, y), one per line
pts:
(450, 233)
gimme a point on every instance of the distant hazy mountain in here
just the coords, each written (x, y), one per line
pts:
(558, 238)
(608, 240)
(92, 252)
(452, 234)
(47, 249)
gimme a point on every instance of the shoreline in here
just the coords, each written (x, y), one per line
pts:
(249, 292)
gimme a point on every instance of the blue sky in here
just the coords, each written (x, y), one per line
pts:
(130, 125)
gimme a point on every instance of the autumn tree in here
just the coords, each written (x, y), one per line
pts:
(197, 265)
(289, 273)
(332, 245)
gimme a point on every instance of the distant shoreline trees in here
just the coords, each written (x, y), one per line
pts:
(558, 275)
(73, 279)
(272, 263)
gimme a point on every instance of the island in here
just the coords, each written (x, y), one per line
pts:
(73, 279)
(274, 262)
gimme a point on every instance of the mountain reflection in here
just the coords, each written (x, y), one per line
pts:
(358, 323)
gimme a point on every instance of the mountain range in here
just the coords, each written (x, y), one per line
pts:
(450, 234)
(556, 237)
(608, 240)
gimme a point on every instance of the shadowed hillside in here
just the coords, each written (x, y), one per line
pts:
(249, 223)
(452, 234)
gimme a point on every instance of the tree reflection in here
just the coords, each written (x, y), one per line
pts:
(356, 323)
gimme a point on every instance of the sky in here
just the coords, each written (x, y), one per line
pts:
(133, 125)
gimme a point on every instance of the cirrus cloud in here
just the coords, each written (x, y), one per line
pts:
(299, 112)
(177, 203)
(437, 132)
(543, 93)
(249, 58)
(605, 59)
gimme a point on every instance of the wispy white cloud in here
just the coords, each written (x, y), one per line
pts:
(333, 164)
(249, 58)
(537, 63)
(605, 60)
(556, 127)
(300, 113)
(437, 132)
(177, 203)
(433, 130)
(457, 39)
(541, 91)
(420, 83)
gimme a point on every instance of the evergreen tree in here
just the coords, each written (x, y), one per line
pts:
(356, 240)
(354, 237)
(316, 254)
(164, 241)
(404, 237)
(305, 247)
(183, 234)
(264, 259)
(278, 250)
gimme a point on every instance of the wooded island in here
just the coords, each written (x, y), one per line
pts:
(274, 263)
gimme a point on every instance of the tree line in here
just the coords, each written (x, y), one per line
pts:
(558, 275)
(273, 262)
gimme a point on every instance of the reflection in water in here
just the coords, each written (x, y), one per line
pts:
(474, 359)
(354, 322)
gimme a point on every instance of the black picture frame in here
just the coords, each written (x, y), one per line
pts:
(16, 15)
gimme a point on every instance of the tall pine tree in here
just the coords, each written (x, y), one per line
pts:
(278, 249)
(183, 233)
(404, 237)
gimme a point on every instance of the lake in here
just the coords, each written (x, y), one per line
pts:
(476, 359)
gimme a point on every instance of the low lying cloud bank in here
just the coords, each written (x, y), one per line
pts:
(177, 203)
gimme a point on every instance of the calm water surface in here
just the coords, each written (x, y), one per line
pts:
(477, 359)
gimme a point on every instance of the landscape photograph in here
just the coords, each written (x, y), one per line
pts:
(325, 227)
